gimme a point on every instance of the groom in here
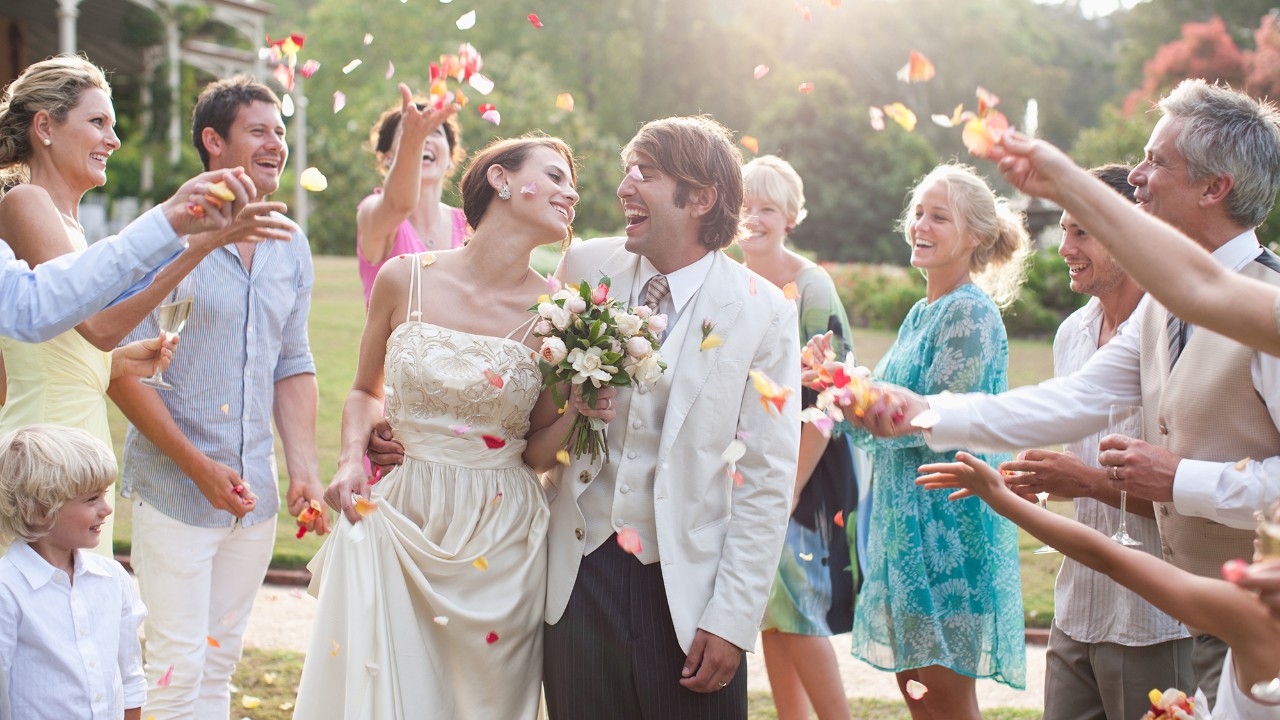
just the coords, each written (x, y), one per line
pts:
(661, 633)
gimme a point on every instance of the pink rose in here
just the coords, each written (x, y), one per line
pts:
(575, 304)
(600, 295)
(638, 347)
(642, 311)
(553, 350)
(658, 323)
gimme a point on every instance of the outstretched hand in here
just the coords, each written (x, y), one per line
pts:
(418, 123)
(1033, 166)
(968, 473)
(194, 209)
(254, 223)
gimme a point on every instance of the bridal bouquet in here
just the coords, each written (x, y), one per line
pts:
(591, 340)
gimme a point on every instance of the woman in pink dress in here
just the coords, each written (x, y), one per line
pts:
(406, 215)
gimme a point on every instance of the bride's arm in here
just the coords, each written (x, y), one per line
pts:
(363, 407)
(549, 428)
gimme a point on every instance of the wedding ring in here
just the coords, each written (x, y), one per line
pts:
(724, 684)
(1115, 472)
(609, 403)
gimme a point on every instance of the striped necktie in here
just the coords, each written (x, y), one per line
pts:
(655, 291)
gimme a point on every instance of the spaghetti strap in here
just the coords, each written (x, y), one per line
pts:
(528, 328)
(415, 284)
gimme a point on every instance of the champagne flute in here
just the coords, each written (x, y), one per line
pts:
(1043, 501)
(172, 316)
(1125, 420)
(1268, 549)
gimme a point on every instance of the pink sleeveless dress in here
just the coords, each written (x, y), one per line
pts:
(407, 242)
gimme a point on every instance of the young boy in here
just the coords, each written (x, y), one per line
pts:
(69, 648)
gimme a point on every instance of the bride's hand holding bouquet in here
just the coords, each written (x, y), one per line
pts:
(591, 341)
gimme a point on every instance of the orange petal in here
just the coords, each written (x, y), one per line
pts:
(564, 101)
(365, 508)
(494, 378)
(917, 69)
(839, 519)
(213, 642)
(982, 133)
(751, 144)
(790, 291)
(481, 563)
(1242, 463)
(986, 100)
(562, 457)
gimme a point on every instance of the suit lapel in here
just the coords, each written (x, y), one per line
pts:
(720, 300)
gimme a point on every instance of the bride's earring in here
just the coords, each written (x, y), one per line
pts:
(505, 193)
(47, 142)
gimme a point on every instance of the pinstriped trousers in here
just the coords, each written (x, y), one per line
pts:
(614, 653)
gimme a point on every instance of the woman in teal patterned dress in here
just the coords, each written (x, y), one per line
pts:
(941, 603)
(812, 594)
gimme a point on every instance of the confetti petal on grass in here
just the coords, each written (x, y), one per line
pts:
(287, 706)
(493, 441)
(269, 678)
(339, 100)
(467, 21)
(249, 702)
(790, 291)
(982, 133)
(564, 101)
(286, 105)
(562, 457)
(751, 144)
(902, 115)
(916, 689)
(806, 87)
(629, 541)
(530, 189)
(877, 118)
(1242, 463)
(491, 638)
(634, 173)
(346, 69)
(917, 69)
(1232, 570)
(309, 68)
(312, 179)
(482, 84)
(391, 69)
(535, 20)
(481, 563)
(761, 71)
(167, 677)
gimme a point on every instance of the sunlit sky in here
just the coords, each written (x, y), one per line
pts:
(1097, 8)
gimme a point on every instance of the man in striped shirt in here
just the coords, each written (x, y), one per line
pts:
(199, 462)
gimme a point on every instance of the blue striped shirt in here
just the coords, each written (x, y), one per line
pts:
(247, 331)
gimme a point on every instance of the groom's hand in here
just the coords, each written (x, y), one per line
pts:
(384, 451)
(711, 664)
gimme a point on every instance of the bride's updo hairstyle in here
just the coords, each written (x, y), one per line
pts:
(511, 153)
(54, 86)
(999, 261)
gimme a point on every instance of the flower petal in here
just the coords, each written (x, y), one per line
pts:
(917, 69)
(493, 441)
(916, 689)
(467, 21)
(286, 105)
(346, 69)
(564, 101)
(309, 68)
(562, 457)
(902, 115)
(312, 179)
(339, 100)
(365, 508)
(492, 116)
(710, 342)
(982, 133)
(491, 638)
(481, 563)
(761, 71)
(629, 541)
(877, 117)
(482, 84)
(494, 378)
(839, 519)
(391, 69)
(166, 678)
(633, 172)
(790, 291)
(806, 87)
(535, 20)
(750, 143)
(530, 189)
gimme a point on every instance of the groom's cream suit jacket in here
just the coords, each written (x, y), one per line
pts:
(718, 541)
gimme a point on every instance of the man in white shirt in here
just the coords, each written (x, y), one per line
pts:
(57, 295)
(1108, 647)
(1212, 168)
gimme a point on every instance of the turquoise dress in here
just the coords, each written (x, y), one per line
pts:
(942, 582)
(813, 592)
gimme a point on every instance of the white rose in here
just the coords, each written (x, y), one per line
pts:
(553, 350)
(638, 347)
(647, 370)
(627, 323)
(614, 345)
(589, 366)
(642, 311)
(658, 323)
(564, 294)
(542, 327)
(575, 304)
(556, 315)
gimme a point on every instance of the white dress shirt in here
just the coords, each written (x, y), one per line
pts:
(69, 652)
(36, 305)
(1070, 408)
(684, 284)
(1089, 606)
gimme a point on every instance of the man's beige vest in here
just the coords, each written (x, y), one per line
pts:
(1206, 409)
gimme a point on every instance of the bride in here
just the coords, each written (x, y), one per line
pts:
(431, 593)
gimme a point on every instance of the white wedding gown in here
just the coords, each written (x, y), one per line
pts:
(432, 605)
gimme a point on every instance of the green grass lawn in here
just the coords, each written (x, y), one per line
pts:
(337, 317)
(267, 682)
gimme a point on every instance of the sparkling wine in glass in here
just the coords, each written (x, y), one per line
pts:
(1269, 532)
(1125, 420)
(171, 317)
(1043, 500)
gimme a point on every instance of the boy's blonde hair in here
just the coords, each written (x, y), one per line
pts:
(41, 468)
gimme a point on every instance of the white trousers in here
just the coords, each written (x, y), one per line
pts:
(198, 585)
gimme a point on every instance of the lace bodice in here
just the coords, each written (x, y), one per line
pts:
(448, 389)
